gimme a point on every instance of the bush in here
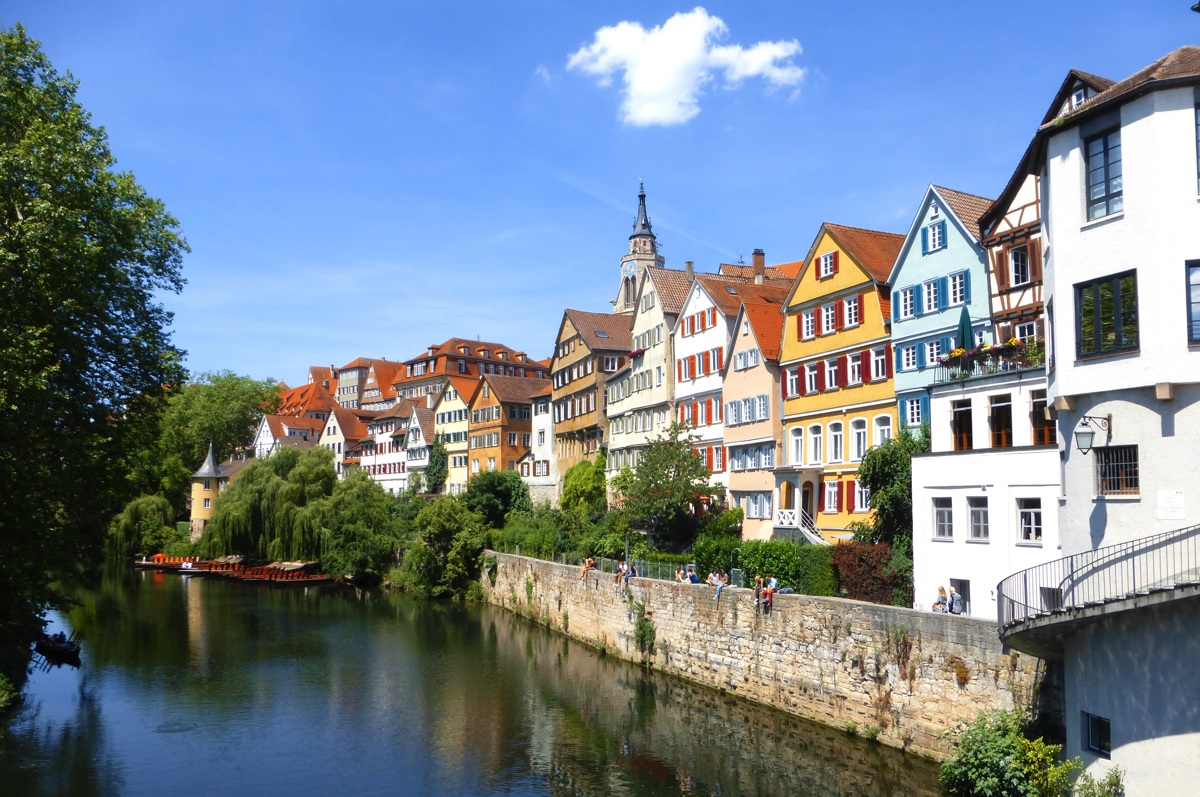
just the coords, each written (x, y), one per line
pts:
(712, 552)
(1111, 785)
(862, 570)
(993, 759)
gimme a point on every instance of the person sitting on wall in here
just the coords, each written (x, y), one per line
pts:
(713, 578)
(768, 599)
(620, 573)
(956, 602)
(692, 577)
(681, 576)
(630, 572)
(722, 583)
(941, 606)
(587, 565)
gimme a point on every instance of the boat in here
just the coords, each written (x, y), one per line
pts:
(58, 649)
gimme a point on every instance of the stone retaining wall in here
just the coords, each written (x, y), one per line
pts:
(903, 674)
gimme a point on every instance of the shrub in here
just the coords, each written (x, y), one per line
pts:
(1111, 785)
(862, 569)
(993, 759)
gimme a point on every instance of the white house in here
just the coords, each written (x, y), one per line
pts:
(538, 467)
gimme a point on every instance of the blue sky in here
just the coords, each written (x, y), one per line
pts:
(369, 178)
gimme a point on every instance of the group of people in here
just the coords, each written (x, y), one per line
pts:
(625, 571)
(952, 604)
(689, 577)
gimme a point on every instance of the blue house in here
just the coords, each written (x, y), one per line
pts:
(940, 269)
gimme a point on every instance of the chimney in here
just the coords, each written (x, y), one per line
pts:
(760, 266)
(689, 268)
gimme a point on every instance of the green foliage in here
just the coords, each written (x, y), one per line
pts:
(712, 552)
(808, 569)
(544, 533)
(886, 470)
(8, 693)
(447, 554)
(668, 488)
(144, 527)
(1111, 785)
(494, 494)
(728, 522)
(85, 354)
(899, 571)
(584, 487)
(644, 632)
(363, 534)
(993, 759)
(438, 469)
(863, 573)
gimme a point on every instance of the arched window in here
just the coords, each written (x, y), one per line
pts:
(797, 450)
(816, 451)
(837, 450)
(883, 429)
(858, 439)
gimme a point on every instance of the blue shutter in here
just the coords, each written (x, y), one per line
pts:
(967, 287)
(924, 240)
(943, 292)
(945, 241)
(947, 345)
(920, 355)
(895, 306)
(925, 405)
(899, 355)
(918, 299)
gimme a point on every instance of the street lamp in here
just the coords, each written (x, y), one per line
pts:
(1085, 435)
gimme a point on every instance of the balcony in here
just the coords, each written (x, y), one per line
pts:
(1016, 355)
(1037, 606)
(797, 523)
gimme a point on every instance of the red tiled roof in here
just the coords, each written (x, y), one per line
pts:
(875, 251)
(1182, 63)
(672, 287)
(728, 295)
(514, 388)
(423, 417)
(306, 398)
(785, 272)
(452, 346)
(602, 331)
(968, 207)
(767, 322)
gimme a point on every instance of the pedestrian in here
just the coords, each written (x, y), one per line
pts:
(941, 605)
(956, 602)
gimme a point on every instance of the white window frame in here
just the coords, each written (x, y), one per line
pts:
(908, 358)
(854, 369)
(933, 350)
(816, 448)
(827, 265)
(878, 364)
(859, 437)
(808, 324)
(810, 378)
(957, 288)
(977, 518)
(912, 411)
(935, 239)
(831, 497)
(1029, 521)
(1022, 265)
(943, 517)
(797, 450)
(837, 442)
(907, 300)
(929, 296)
(831, 375)
(850, 311)
(862, 497)
(883, 429)
(828, 319)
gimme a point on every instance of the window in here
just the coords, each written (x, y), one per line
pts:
(933, 350)
(836, 443)
(816, 451)
(491, 465)
(879, 364)
(851, 311)
(828, 264)
(797, 457)
(808, 323)
(208, 503)
(913, 411)
(930, 294)
(1116, 470)
(810, 378)
(862, 497)
(1106, 315)
(1026, 330)
(978, 510)
(1098, 733)
(1043, 427)
(854, 369)
(908, 358)
(943, 518)
(1000, 419)
(1103, 154)
(831, 374)
(828, 319)
(906, 303)
(858, 439)
(1193, 300)
(831, 497)
(883, 429)
(207, 484)
(1029, 519)
(935, 236)
(1018, 260)
(960, 425)
(512, 438)
(958, 288)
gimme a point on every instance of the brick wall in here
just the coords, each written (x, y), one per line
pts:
(835, 661)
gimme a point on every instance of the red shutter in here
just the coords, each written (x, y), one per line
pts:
(799, 319)
(679, 369)
(839, 315)
(843, 371)
(836, 254)
(865, 365)
(820, 376)
(707, 357)
(709, 457)
(819, 320)
(838, 487)
(708, 410)
(696, 413)
(712, 312)
(693, 363)
(681, 413)
(850, 495)
(821, 496)
(720, 357)
(783, 380)
(887, 361)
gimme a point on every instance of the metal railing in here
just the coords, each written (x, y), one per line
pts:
(1117, 572)
(988, 362)
(801, 521)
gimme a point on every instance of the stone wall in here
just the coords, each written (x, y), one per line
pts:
(903, 674)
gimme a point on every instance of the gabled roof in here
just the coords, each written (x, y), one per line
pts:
(514, 388)
(280, 424)
(353, 423)
(298, 400)
(545, 391)
(728, 295)
(465, 386)
(873, 250)
(423, 419)
(1178, 66)
(451, 348)
(1067, 88)
(601, 331)
(784, 271)
(319, 374)
(766, 322)
(967, 207)
(364, 362)
(672, 287)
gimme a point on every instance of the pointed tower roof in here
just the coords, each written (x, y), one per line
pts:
(209, 469)
(641, 226)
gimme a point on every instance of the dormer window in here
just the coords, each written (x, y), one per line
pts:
(484, 353)
(1078, 97)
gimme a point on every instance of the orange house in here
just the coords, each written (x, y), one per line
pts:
(501, 421)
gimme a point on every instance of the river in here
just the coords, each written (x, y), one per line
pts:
(198, 686)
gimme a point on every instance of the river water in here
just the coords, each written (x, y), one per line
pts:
(196, 686)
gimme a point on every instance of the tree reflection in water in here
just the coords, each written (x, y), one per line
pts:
(304, 692)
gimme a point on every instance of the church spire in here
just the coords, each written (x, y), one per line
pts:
(641, 226)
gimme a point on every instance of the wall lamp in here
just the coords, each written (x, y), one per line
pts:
(1085, 435)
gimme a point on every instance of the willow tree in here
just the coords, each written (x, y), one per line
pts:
(143, 527)
(275, 508)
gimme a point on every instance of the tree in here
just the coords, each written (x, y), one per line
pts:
(993, 758)
(84, 344)
(495, 493)
(446, 554)
(583, 489)
(669, 488)
(363, 533)
(886, 470)
(144, 527)
(438, 469)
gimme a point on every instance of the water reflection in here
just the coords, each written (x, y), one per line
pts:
(190, 683)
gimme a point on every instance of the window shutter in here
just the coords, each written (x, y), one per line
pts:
(920, 355)
(899, 364)
(836, 253)
(947, 345)
(821, 496)
(925, 409)
(895, 305)
(820, 376)
(862, 308)
(839, 315)
(967, 287)
(945, 241)
(850, 496)
(693, 362)
(1035, 259)
(783, 380)
(943, 292)
(887, 360)
(706, 363)
(712, 315)
(696, 412)
(865, 359)
(1000, 264)
(842, 371)
(818, 320)
(799, 319)
(837, 486)
(720, 357)
(708, 410)
(918, 299)
(681, 413)
(924, 240)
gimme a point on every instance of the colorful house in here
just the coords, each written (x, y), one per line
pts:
(207, 484)
(501, 420)
(451, 427)
(837, 379)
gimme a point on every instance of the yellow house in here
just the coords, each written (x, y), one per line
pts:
(836, 379)
(207, 483)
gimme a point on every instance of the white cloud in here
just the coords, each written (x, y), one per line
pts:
(543, 73)
(665, 68)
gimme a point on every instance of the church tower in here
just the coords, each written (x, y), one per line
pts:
(643, 253)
